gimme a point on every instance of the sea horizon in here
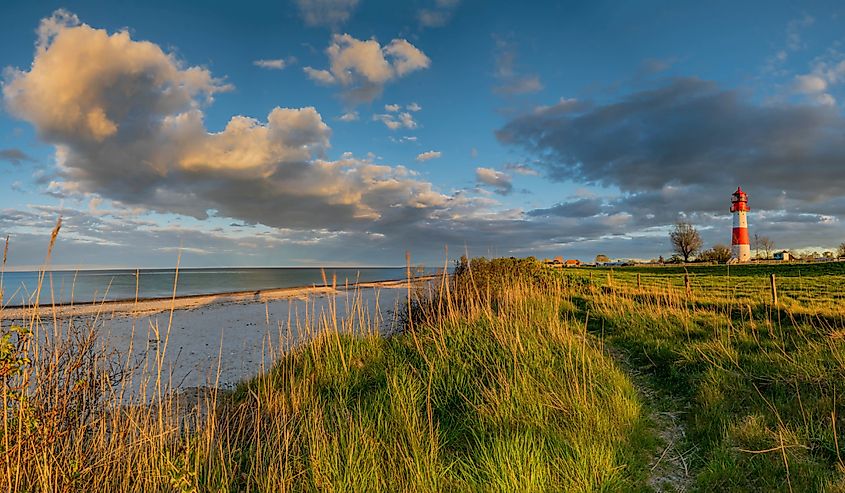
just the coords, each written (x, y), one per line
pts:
(93, 285)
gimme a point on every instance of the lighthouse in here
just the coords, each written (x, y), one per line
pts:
(740, 246)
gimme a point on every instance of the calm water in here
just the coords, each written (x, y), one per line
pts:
(81, 286)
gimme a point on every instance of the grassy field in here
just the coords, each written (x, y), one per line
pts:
(817, 286)
(508, 377)
(756, 387)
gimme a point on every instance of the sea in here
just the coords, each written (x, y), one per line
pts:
(19, 288)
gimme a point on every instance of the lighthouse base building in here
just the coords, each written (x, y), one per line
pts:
(740, 244)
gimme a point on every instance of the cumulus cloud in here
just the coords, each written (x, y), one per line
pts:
(328, 13)
(363, 67)
(80, 73)
(501, 182)
(392, 108)
(396, 121)
(14, 156)
(428, 155)
(127, 122)
(413, 107)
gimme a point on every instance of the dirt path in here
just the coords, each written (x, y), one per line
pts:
(669, 469)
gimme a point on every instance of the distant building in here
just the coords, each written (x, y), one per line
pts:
(556, 262)
(783, 256)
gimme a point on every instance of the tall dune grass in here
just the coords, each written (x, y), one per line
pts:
(494, 384)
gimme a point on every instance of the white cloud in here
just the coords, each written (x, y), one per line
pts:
(825, 100)
(395, 122)
(827, 71)
(275, 64)
(392, 108)
(413, 107)
(349, 116)
(363, 67)
(407, 120)
(330, 13)
(501, 182)
(79, 73)
(428, 155)
(322, 76)
(128, 125)
(810, 84)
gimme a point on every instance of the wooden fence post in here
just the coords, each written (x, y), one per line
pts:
(774, 290)
(638, 281)
(686, 284)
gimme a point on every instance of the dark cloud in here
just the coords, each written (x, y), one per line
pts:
(577, 208)
(689, 133)
(14, 156)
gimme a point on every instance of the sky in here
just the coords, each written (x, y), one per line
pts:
(347, 132)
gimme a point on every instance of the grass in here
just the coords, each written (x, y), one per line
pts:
(508, 376)
(758, 386)
(819, 286)
(495, 384)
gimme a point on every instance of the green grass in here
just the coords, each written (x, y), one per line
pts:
(510, 397)
(817, 285)
(495, 385)
(508, 377)
(759, 387)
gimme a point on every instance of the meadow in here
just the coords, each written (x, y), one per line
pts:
(508, 376)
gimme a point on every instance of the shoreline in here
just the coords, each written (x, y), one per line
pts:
(146, 306)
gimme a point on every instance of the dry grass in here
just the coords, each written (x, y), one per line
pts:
(491, 386)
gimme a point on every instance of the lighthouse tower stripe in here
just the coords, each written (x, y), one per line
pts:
(740, 230)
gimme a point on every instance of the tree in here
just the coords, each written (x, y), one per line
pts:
(841, 251)
(765, 244)
(602, 258)
(685, 240)
(719, 253)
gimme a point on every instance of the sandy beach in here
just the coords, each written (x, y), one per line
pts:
(219, 339)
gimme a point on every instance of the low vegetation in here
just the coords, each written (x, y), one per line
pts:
(508, 376)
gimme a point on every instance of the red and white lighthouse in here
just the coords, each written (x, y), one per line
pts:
(740, 246)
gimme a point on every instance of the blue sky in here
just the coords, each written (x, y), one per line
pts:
(329, 132)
